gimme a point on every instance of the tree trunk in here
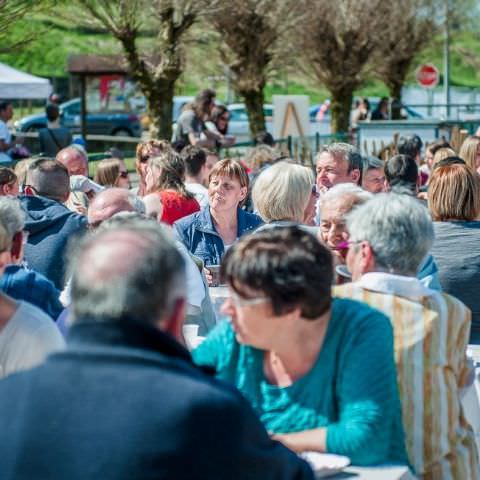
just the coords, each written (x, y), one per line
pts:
(340, 106)
(395, 91)
(160, 106)
(254, 103)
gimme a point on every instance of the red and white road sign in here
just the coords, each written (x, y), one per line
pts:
(428, 75)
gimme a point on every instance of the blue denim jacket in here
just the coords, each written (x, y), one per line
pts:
(198, 234)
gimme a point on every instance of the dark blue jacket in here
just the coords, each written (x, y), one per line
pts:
(124, 402)
(50, 224)
(33, 287)
(198, 234)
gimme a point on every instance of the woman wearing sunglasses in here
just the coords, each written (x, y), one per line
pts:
(112, 172)
(318, 371)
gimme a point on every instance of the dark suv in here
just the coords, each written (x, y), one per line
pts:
(99, 123)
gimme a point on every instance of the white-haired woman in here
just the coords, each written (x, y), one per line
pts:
(285, 192)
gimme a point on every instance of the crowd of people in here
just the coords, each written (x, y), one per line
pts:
(351, 305)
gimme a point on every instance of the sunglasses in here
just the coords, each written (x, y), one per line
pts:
(315, 191)
(123, 174)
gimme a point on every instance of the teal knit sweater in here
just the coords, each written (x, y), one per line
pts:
(351, 389)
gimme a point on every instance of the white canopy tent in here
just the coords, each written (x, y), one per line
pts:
(15, 84)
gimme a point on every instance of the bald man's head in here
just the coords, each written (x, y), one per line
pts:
(112, 201)
(75, 161)
(128, 270)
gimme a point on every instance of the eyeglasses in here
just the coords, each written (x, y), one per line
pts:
(239, 301)
(123, 174)
(347, 244)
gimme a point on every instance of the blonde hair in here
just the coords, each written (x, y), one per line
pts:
(21, 169)
(108, 171)
(454, 193)
(468, 150)
(442, 154)
(282, 192)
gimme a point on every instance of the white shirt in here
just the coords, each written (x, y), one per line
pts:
(403, 286)
(199, 192)
(27, 338)
(195, 287)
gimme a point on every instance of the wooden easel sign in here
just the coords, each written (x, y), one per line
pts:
(291, 116)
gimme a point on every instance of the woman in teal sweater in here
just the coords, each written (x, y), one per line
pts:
(319, 373)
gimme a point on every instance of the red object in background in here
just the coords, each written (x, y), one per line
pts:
(428, 75)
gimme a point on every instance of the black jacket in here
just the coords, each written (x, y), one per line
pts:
(125, 402)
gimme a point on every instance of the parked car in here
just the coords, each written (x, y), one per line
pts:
(98, 123)
(239, 126)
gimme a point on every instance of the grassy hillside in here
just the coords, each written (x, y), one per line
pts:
(56, 39)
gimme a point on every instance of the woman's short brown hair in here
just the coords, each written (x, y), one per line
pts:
(287, 265)
(230, 168)
(454, 193)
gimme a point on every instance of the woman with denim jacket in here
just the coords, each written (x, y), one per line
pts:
(209, 233)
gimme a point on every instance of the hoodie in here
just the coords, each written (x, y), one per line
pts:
(50, 225)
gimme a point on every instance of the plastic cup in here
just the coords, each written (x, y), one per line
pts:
(215, 272)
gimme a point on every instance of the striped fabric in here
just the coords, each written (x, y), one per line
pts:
(431, 334)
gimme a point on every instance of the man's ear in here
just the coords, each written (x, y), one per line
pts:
(355, 175)
(368, 258)
(65, 197)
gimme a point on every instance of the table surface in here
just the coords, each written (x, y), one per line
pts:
(374, 473)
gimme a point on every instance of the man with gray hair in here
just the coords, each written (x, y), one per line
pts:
(373, 175)
(114, 200)
(390, 235)
(335, 204)
(75, 160)
(125, 400)
(335, 164)
(27, 335)
(338, 163)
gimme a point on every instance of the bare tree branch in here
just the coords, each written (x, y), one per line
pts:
(413, 27)
(156, 70)
(249, 32)
(336, 42)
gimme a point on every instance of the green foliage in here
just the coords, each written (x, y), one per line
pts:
(57, 38)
